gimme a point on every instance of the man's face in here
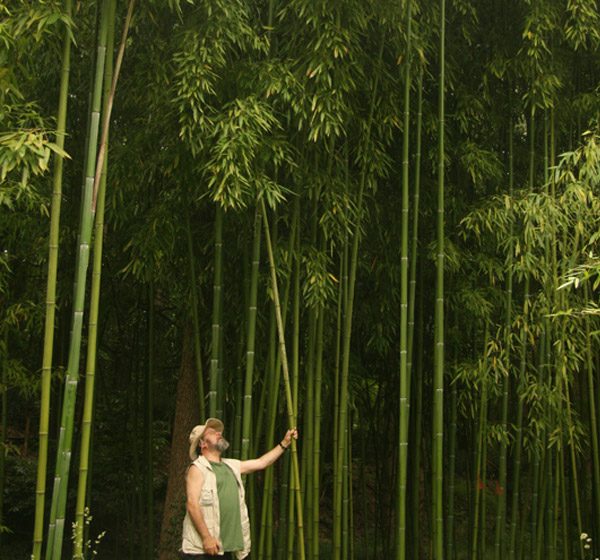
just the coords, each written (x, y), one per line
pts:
(214, 441)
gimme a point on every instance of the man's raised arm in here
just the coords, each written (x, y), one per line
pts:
(253, 465)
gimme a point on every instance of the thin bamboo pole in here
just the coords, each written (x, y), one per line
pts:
(450, 549)
(404, 408)
(213, 396)
(317, 435)
(195, 318)
(516, 485)
(438, 383)
(481, 446)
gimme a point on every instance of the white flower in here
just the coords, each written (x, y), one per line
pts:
(586, 546)
(589, 539)
(583, 536)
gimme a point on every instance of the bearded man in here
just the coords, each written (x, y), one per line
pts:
(216, 521)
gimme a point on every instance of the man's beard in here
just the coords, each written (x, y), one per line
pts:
(221, 445)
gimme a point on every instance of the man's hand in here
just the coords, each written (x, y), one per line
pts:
(253, 465)
(211, 545)
(287, 439)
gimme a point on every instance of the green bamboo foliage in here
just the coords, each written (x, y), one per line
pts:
(438, 381)
(59, 495)
(404, 370)
(51, 294)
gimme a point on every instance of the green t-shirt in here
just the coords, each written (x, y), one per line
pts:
(229, 506)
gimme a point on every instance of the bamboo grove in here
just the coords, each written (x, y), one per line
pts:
(378, 221)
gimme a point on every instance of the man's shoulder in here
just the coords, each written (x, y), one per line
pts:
(234, 464)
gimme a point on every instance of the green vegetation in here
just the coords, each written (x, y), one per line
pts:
(378, 221)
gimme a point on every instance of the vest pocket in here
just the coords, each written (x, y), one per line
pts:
(206, 498)
(207, 503)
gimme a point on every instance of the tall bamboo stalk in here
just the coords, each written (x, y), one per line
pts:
(450, 516)
(438, 382)
(59, 496)
(86, 423)
(251, 336)
(414, 471)
(286, 378)
(195, 319)
(415, 225)
(404, 408)
(589, 366)
(516, 484)
(213, 396)
(148, 422)
(480, 454)
(501, 502)
(317, 435)
(40, 491)
(347, 336)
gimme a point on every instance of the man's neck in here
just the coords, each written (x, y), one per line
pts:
(212, 456)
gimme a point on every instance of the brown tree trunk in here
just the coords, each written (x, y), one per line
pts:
(186, 417)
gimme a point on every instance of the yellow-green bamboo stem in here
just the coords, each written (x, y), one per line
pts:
(40, 491)
(404, 383)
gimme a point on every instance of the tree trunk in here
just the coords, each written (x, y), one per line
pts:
(186, 416)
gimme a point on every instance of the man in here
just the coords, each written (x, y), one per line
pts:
(216, 521)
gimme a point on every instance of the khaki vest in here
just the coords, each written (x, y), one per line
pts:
(209, 503)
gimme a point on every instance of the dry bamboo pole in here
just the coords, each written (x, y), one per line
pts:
(286, 379)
